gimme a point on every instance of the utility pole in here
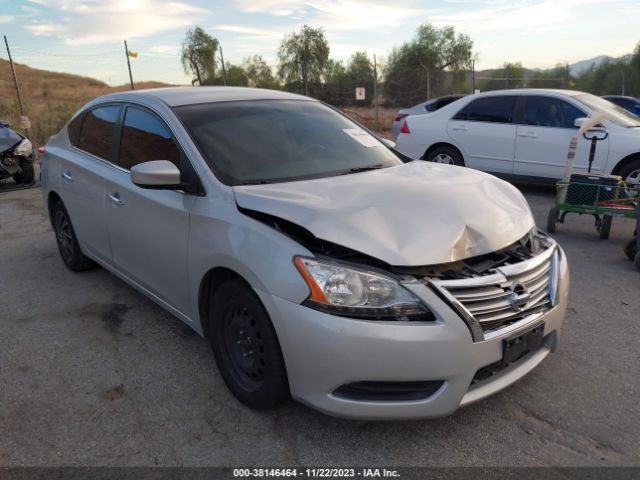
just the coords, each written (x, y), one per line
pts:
(566, 76)
(224, 69)
(428, 85)
(375, 89)
(15, 82)
(623, 75)
(126, 53)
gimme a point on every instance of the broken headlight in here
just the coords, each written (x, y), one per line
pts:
(348, 291)
(24, 148)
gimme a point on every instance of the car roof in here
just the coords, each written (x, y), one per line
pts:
(177, 96)
(530, 91)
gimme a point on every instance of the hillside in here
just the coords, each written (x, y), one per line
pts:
(50, 98)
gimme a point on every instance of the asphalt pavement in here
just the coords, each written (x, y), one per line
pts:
(93, 373)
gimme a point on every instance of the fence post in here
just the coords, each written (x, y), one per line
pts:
(375, 89)
(506, 75)
(15, 82)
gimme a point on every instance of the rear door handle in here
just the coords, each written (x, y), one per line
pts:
(66, 175)
(461, 128)
(115, 199)
(528, 135)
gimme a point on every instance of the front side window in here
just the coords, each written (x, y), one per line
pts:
(96, 133)
(270, 141)
(498, 109)
(145, 138)
(550, 112)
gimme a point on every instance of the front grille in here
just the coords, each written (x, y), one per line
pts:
(505, 295)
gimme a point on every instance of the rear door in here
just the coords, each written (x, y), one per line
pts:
(149, 229)
(83, 169)
(546, 126)
(485, 131)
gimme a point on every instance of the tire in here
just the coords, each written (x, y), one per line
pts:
(67, 241)
(246, 347)
(552, 218)
(631, 249)
(605, 226)
(631, 172)
(28, 172)
(445, 154)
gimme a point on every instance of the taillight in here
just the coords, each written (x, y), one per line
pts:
(405, 128)
(400, 116)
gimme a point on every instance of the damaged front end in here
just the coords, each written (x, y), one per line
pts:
(493, 293)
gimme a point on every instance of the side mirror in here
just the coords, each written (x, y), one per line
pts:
(157, 174)
(579, 121)
(388, 143)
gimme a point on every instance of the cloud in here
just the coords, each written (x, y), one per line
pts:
(253, 32)
(6, 18)
(541, 15)
(102, 21)
(337, 14)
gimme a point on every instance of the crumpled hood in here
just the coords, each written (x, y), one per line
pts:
(8, 139)
(414, 214)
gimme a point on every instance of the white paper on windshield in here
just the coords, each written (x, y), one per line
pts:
(362, 137)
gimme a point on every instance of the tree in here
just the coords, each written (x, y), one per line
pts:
(427, 66)
(303, 57)
(236, 76)
(199, 55)
(259, 74)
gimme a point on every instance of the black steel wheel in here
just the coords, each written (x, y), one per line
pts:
(27, 171)
(246, 347)
(552, 219)
(68, 245)
(605, 226)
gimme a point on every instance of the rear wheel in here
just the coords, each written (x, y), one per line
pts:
(631, 249)
(68, 245)
(246, 347)
(605, 226)
(445, 154)
(27, 173)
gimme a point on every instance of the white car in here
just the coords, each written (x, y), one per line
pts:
(524, 133)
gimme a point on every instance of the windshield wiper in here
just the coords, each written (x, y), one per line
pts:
(362, 169)
(251, 182)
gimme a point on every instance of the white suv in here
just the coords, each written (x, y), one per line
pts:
(524, 133)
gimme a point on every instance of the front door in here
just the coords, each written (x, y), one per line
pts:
(149, 229)
(543, 137)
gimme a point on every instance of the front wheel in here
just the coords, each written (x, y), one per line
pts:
(246, 347)
(27, 172)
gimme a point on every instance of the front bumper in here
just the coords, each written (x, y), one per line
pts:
(323, 352)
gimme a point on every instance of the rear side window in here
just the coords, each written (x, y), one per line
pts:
(73, 130)
(550, 112)
(497, 109)
(96, 134)
(145, 138)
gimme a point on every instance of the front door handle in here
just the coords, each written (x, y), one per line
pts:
(115, 199)
(460, 128)
(528, 135)
(66, 175)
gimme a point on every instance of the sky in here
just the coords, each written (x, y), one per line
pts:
(86, 36)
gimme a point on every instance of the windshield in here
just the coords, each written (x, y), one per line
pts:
(615, 114)
(267, 141)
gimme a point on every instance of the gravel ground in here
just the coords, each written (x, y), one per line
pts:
(93, 373)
